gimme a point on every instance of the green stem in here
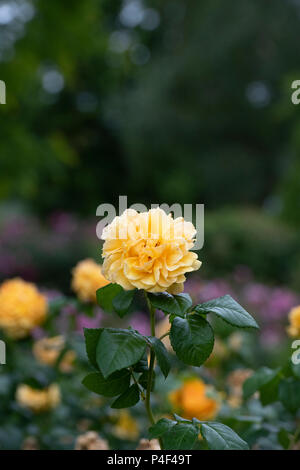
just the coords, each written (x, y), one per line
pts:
(151, 364)
(149, 387)
(151, 368)
(152, 315)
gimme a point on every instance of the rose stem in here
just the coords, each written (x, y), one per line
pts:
(151, 367)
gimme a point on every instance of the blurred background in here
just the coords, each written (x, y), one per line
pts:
(163, 101)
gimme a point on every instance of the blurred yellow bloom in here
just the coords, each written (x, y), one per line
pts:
(38, 400)
(87, 279)
(192, 400)
(235, 381)
(47, 351)
(294, 319)
(235, 341)
(91, 441)
(22, 307)
(149, 250)
(126, 427)
(145, 444)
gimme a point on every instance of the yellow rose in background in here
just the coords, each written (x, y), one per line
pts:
(91, 441)
(47, 351)
(145, 444)
(194, 399)
(235, 341)
(38, 400)
(235, 381)
(149, 250)
(22, 307)
(294, 319)
(87, 279)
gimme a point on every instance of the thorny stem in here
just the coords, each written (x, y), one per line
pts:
(151, 367)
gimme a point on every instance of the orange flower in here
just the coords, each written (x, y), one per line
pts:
(192, 400)
(294, 326)
(38, 400)
(22, 307)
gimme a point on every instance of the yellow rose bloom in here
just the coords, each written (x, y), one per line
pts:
(47, 351)
(191, 400)
(87, 279)
(22, 307)
(149, 250)
(294, 319)
(38, 400)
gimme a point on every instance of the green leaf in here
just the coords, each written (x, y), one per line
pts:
(192, 339)
(221, 437)
(118, 349)
(268, 393)
(296, 370)
(115, 384)
(113, 298)
(260, 378)
(284, 438)
(182, 436)
(122, 301)
(179, 419)
(105, 296)
(162, 355)
(175, 304)
(128, 398)
(229, 310)
(289, 394)
(92, 336)
(143, 380)
(161, 427)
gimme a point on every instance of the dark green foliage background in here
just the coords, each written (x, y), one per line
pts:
(178, 127)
